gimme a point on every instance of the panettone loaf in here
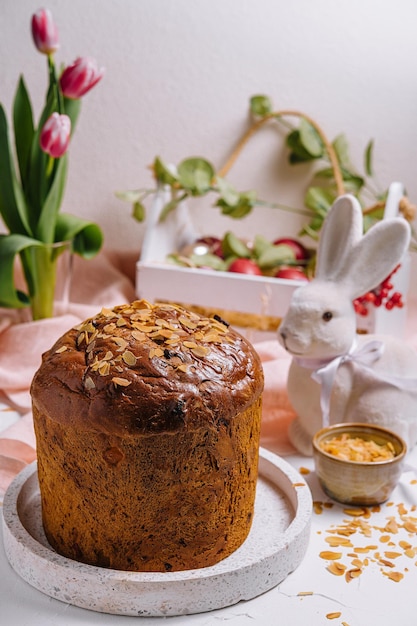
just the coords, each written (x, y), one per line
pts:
(147, 421)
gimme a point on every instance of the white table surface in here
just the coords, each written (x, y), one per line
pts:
(307, 597)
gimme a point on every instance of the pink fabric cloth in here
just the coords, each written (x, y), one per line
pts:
(108, 280)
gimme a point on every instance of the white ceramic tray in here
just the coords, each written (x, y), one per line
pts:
(275, 546)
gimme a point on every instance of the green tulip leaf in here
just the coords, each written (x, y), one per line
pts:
(310, 139)
(10, 246)
(45, 230)
(23, 130)
(298, 153)
(86, 237)
(196, 175)
(260, 245)
(341, 148)
(171, 206)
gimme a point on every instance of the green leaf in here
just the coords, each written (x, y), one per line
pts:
(164, 173)
(260, 244)
(45, 230)
(260, 105)
(23, 130)
(196, 175)
(247, 201)
(368, 158)
(86, 236)
(138, 211)
(341, 148)
(298, 153)
(276, 255)
(12, 201)
(131, 196)
(208, 260)
(228, 194)
(232, 245)
(10, 246)
(171, 206)
(310, 139)
(319, 200)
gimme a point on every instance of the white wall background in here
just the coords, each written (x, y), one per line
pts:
(179, 75)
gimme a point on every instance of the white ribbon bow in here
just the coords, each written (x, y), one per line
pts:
(325, 371)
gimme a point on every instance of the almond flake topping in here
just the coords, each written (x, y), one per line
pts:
(121, 382)
(61, 349)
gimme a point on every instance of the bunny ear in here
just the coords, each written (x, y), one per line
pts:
(342, 229)
(375, 256)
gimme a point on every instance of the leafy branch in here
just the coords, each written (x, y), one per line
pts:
(196, 177)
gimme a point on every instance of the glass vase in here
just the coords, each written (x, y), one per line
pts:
(48, 271)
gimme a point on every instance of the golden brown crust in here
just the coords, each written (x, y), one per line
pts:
(128, 357)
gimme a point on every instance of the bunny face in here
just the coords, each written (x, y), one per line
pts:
(320, 322)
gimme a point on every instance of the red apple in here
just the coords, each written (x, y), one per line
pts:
(301, 253)
(245, 266)
(291, 273)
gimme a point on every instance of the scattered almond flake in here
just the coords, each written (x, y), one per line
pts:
(352, 573)
(104, 368)
(211, 337)
(107, 312)
(185, 321)
(121, 382)
(305, 593)
(345, 624)
(328, 505)
(391, 526)
(410, 526)
(392, 555)
(121, 322)
(109, 328)
(190, 344)
(334, 615)
(338, 541)
(385, 563)
(336, 568)
(89, 383)
(395, 576)
(384, 538)
(413, 481)
(200, 351)
(304, 471)
(389, 504)
(355, 512)
(405, 545)
(330, 556)
(298, 484)
(138, 335)
(318, 507)
(401, 509)
(61, 349)
(129, 358)
(108, 356)
(183, 367)
(119, 369)
(357, 563)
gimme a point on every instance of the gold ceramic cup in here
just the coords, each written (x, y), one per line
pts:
(354, 482)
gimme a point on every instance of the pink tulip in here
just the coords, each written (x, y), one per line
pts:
(80, 77)
(55, 135)
(45, 32)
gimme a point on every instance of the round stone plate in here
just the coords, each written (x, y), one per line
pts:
(275, 546)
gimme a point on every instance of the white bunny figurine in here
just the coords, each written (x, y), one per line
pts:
(336, 375)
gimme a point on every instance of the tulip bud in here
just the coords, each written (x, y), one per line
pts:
(80, 77)
(45, 32)
(55, 135)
